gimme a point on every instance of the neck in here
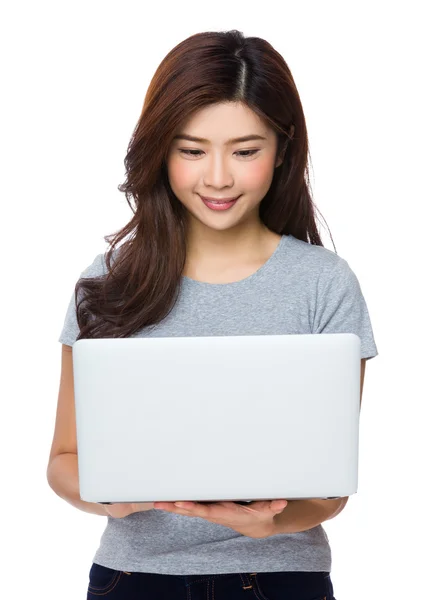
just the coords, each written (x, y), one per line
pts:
(224, 257)
(209, 244)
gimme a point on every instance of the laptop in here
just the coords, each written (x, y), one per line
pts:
(239, 418)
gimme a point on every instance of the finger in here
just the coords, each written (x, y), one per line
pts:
(228, 504)
(204, 510)
(277, 506)
(190, 509)
(164, 505)
(268, 506)
(186, 505)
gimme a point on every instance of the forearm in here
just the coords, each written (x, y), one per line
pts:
(62, 475)
(300, 515)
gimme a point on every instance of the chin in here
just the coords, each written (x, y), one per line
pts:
(223, 226)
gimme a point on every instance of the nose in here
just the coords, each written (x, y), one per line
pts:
(217, 173)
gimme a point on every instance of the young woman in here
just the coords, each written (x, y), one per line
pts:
(223, 241)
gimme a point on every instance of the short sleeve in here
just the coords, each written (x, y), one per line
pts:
(70, 329)
(341, 307)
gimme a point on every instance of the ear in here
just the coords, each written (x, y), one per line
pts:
(279, 161)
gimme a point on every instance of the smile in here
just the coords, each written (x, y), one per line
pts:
(219, 204)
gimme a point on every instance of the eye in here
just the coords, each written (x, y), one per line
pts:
(240, 152)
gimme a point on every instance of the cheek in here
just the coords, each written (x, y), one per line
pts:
(180, 176)
(258, 174)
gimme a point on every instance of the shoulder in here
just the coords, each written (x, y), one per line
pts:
(96, 268)
(317, 260)
(327, 272)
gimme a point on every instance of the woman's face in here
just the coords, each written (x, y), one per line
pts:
(218, 168)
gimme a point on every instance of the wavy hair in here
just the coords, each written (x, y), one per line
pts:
(144, 278)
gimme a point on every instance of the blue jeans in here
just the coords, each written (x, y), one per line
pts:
(120, 585)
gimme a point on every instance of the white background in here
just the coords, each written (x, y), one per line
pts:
(74, 77)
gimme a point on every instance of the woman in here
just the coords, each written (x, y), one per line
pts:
(223, 241)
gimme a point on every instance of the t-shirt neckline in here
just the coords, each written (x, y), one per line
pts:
(259, 272)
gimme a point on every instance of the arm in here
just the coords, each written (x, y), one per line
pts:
(300, 515)
(62, 475)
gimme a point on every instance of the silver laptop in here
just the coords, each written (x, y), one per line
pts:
(238, 418)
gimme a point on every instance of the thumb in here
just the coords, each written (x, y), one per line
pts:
(278, 506)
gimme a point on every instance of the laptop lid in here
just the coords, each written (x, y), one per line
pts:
(217, 418)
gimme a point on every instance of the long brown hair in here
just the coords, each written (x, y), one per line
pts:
(143, 279)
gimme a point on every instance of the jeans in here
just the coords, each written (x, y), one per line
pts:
(120, 585)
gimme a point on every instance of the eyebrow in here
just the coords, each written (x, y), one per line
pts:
(245, 138)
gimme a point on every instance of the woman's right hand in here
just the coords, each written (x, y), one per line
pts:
(123, 509)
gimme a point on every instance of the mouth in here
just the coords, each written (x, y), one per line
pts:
(219, 200)
(219, 203)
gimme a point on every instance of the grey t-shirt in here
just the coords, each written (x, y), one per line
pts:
(301, 289)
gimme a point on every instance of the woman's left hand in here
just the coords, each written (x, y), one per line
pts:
(255, 520)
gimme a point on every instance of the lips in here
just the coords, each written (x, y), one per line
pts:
(219, 200)
(220, 204)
